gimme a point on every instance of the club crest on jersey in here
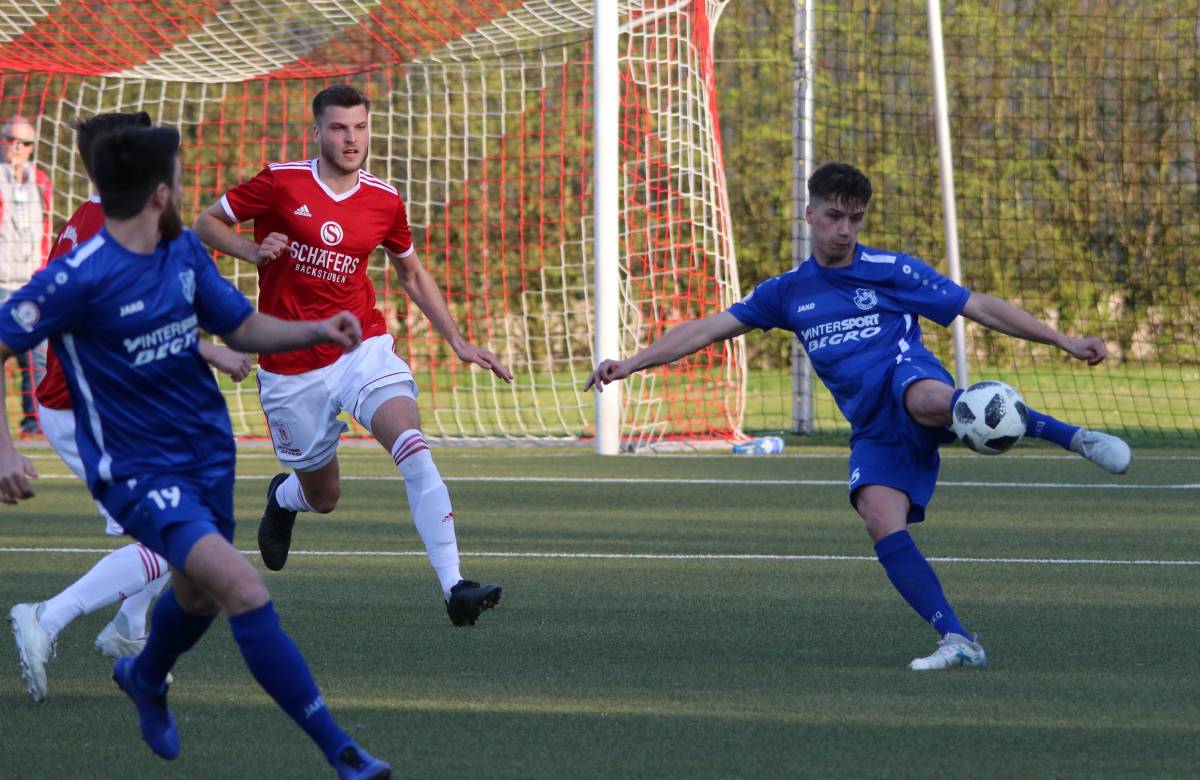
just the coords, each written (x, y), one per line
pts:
(865, 299)
(188, 280)
(331, 233)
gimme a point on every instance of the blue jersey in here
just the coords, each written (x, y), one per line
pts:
(125, 327)
(856, 322)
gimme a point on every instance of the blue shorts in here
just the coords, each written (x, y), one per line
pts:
(170, 512)
(904, 455)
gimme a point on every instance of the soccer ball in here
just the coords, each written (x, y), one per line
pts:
(989, 417)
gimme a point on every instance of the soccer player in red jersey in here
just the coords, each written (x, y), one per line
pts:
(315, 224)
(133, 575)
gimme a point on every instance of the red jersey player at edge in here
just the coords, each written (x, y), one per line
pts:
(315, 224)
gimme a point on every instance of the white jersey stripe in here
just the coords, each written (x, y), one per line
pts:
(84, 252)
(904, 345)
(229, 209)
(104, 465)
(885, 259)
(380, 185)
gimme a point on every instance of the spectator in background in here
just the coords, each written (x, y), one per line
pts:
(25, 192)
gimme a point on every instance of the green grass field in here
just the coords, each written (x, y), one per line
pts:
(701, 616)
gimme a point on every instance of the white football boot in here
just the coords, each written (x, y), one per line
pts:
(953, 650)
(114, 644)
(34, 646)
(1105, 450)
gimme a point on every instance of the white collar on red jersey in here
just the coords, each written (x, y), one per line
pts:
(336, 197)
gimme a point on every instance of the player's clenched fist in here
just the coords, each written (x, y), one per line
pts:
(271, 247)
(1090, 349)
(342, 329)
(15, 472)
(607, 371)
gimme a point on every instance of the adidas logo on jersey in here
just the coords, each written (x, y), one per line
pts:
(303, 211)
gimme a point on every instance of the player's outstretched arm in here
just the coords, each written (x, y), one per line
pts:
(424, 292)
(215, 229)
(226, 360)
(15, 469)
(1000, 315)
(683, 339)
(263, 333)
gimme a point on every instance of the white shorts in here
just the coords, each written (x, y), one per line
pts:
(59, 427)
(302, 409)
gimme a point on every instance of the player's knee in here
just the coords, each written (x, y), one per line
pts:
(326, 500)
(928, 402)
(881, 514)
(245, 596)
(195, 601)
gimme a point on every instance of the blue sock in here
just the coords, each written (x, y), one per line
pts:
(280, 669)
(1043, 426)
(958, 391)
(172, 633)
(916, 581)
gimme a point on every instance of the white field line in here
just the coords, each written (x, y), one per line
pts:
(43, 453)
(741, 482)
(655, 556)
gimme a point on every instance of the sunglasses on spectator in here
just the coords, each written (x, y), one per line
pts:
(19, 141)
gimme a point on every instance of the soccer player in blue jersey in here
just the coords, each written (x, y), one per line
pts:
(123, 312)
(856, 309)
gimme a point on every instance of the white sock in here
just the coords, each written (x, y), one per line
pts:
(130, 620)
(429, 502)
(117, 575)
(290, 495)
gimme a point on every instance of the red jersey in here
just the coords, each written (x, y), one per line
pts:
(86, 222)
(330, 236)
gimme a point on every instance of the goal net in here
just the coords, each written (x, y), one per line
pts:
(482, 118)
(1074, 135)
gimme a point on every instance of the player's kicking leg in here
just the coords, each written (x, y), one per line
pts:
(132, 569)
(1105, 450)
(391, 413)
(931, 403)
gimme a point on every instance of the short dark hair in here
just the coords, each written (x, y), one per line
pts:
(88, 130)
(840, 182)
(342, 95)
(129, 164)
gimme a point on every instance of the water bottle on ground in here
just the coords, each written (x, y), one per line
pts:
(764, 445)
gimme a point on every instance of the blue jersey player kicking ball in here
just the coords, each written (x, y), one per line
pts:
(855, 309)
(122, 312)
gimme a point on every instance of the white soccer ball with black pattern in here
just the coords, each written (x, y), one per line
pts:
(989, 417)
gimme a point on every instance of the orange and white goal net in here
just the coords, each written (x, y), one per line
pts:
(482, 118)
